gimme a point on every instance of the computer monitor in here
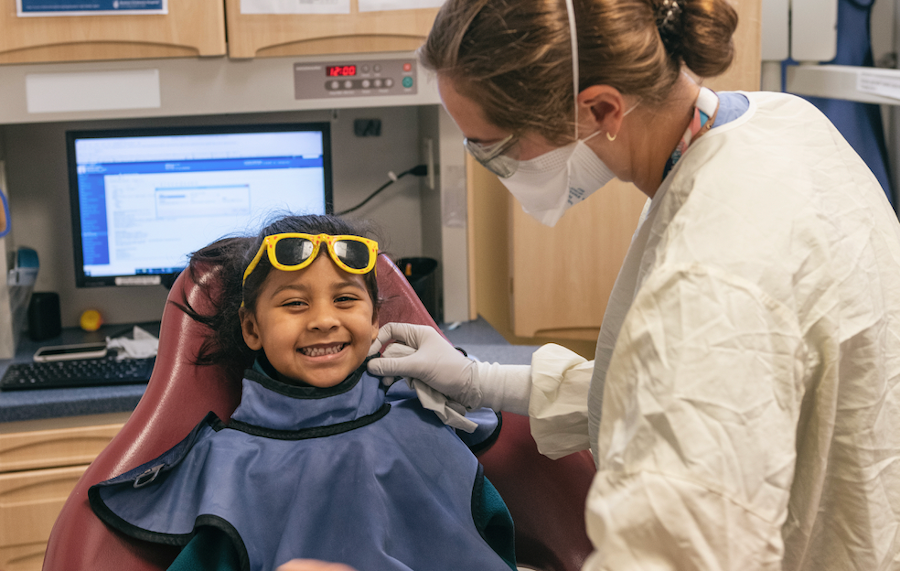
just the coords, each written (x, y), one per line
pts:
(144, 199)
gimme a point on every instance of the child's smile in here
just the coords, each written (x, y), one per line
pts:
(323, 350)
(315, 325)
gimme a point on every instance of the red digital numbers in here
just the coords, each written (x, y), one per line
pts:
(340, 70)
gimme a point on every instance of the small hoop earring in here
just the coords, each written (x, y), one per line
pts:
(611, 137)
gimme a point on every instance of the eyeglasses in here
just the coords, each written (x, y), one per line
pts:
(501, 158)
(290, 252)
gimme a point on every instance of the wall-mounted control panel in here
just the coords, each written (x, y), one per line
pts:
(346, 78)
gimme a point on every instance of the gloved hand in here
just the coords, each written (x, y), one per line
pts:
(448, 410)
(436, 363)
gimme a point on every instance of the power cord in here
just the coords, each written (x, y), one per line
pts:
(418, 170)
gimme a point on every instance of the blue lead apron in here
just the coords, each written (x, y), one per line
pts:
(347, 474)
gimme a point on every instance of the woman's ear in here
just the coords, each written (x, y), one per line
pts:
(603, 106)
(250, 329)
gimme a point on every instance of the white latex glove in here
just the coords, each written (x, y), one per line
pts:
(436, 363)
(449, 411)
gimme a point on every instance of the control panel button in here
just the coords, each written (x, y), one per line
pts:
(345, 78)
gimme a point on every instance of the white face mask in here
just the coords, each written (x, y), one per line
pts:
(550, 184)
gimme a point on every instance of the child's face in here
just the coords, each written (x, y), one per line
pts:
(316, 324)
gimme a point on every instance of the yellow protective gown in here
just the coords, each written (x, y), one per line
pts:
(748, 367)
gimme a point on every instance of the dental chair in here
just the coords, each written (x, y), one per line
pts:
(546, 497)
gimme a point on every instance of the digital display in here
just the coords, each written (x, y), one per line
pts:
(193, 184)
(340, 70)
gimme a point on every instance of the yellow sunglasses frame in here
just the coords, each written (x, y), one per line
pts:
(269, 242)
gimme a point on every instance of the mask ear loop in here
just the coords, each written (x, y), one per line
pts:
(573, 36)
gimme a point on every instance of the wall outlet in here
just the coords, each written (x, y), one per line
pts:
(367, 127)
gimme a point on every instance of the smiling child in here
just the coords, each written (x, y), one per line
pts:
(314, 325)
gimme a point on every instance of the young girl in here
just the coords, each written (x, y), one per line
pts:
(319, 460)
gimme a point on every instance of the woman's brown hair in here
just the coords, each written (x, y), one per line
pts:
(515, 58)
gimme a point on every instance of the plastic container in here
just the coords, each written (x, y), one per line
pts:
(421, 273)
(20, 284)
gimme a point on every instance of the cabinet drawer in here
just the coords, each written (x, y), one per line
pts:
(54, 447)
(30, 502)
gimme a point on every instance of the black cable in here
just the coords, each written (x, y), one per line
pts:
(418, 170)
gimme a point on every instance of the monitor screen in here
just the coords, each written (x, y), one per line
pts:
(144, 200)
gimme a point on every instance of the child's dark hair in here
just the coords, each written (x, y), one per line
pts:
(228, 258)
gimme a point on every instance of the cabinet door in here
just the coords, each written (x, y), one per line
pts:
(268, 35)
(30, 502)
(562, 276)
(191, 28)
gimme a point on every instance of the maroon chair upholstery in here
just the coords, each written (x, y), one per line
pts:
(545, 497)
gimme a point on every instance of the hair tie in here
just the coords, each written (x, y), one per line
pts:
(667, 13)
(668, 18)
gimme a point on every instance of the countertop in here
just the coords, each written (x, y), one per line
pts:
(54, 403)
(478, 338)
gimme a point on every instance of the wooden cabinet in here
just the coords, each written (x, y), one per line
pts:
(40, 463)
(536, 284)
(197, 28)
(592, 242)
(267, 35)
(191, 28)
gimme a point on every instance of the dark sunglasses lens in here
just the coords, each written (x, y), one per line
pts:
(293, 251)
(354, 254)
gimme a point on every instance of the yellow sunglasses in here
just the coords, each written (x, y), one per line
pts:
(291, 252)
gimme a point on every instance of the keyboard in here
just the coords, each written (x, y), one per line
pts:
(76, 373)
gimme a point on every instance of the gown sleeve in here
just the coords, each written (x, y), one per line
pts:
(696, 449)
(558, 407)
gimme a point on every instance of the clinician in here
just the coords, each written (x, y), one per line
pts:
(743, 407)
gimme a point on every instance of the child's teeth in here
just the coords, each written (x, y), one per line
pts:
(319, 351)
